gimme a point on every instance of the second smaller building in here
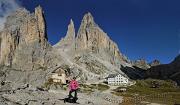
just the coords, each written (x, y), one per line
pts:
(59, 76)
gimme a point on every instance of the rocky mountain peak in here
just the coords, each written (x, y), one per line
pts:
(89, 35)
(92, 38)
(16, 18)
(38, 10)
(39, 14)
(141, 63)
(155, 63)
(88, 20)
(68, 41)
(24, 39)
(71, 22)
(70, 35)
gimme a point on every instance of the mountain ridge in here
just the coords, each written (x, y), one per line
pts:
(28, 62)
(90, 53)
(89, 47)
(166, 71)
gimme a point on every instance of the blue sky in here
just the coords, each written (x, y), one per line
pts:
(148, 29)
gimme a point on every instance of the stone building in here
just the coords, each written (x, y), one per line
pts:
(59, 76)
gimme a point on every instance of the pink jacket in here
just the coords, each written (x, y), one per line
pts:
(73, 85)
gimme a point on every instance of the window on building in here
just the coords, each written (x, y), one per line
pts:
(59, 74)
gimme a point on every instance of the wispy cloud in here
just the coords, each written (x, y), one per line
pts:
(7, 7)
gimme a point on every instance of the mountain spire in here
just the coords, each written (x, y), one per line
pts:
(88, 20)
(24, 40)
(70, 35)
(92, 38)
(69, 40)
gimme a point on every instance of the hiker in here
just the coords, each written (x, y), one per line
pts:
(73, 86)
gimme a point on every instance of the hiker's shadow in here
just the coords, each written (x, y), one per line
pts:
(70, 100)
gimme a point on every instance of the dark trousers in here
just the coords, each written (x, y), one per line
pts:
(70, 93)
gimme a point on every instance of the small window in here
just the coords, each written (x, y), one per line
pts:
(59, 74)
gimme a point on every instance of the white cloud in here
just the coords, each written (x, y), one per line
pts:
(7, 7)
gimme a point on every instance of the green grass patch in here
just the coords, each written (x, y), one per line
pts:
(91, 88)
(160, 91)
(101, 87)
(86, 88)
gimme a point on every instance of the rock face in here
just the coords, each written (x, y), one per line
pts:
(69, 41)
(26, 57)
(27, 60)
(141, 63)
(91, 38)
(91, 51)
(23, 41)
(155, 63)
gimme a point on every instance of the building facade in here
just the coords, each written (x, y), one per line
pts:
(59, 76)
(117, 79)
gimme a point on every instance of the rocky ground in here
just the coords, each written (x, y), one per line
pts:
(26, 95)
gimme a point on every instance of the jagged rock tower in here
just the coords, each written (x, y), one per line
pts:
(91, 51)
(23, 41)
(24, 46)
(68, 42)
(92, 38)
